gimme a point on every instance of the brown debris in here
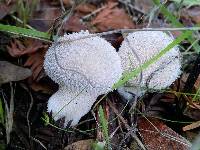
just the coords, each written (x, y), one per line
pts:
(85, 8)
(17, 49)
(10, 72)
(5, 9)
(192, 13)
(35, 61)
(112, 17)
(165, 139)
(80, 145)
(74, 24)
(34, 49)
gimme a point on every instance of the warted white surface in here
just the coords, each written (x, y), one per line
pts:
(75, 64)
(90, 62)
(147, 44)
(71, 105)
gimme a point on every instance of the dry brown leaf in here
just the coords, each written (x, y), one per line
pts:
(197, 83)
(35, 62)
(192, 112)
(67, 2)
(80, 145)
(42, 87)
(34, 49)
(144, 5)
(10, 72)
(112, 17)
(192, 13)
(192, 126)
(85, 8)
(45, 14)
(18, 49)
(5, 9)
(111, 1)
(153, 140)
(74, 24)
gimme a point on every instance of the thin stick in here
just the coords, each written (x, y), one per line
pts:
(92, 13)
(134, 30)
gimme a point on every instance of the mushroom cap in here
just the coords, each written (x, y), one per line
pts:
(78, 62)
(69, 104)
(139, 47)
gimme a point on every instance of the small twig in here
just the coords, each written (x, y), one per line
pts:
(62, 6)
(92, 13)
(127, 126)
(36, 140)
(66, 17)
(9, 114)
(133, 30)
(28, 113)
(131, 6)
(20, 21)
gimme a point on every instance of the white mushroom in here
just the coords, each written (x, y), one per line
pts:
(71, 105)
(138, 48)
(89, 66)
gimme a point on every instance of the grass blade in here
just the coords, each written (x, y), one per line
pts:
(1, 113)
(25, 32)
(104, 126)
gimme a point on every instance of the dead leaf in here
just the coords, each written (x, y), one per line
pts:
(154, 140)
(192, 112)
(67, 2)
(42, 87)
(85, 8)
(5, 9)
(80, 145)
(34, 49)
(192, 126)
(45, 14)
(144, 5)
(197, 83)
(111, 18)
(35, 61)
(17, 49)
(194, 14)
(10, 72)
(115, 39)
(74, 24)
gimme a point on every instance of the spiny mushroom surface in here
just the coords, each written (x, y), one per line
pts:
(139, 47)
(78, 64)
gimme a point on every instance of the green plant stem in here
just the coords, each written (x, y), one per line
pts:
(26, 32)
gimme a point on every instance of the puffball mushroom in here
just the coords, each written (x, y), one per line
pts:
(70, 104)
(138, 48)
(88, 66)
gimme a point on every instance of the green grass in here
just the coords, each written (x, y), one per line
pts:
(104, 127)
(25, 32)
(2, 117)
